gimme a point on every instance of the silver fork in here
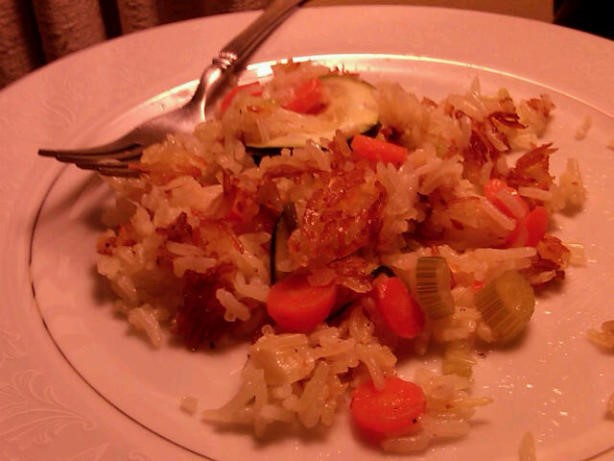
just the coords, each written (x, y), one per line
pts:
(113, 159)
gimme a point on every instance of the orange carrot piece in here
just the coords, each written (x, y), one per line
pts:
(299, 307)
(377, 150)
(307, 98)
(388, 412)
(253, 89)
(401, 313)
(537, 225)
(530, 229)
(506, 198)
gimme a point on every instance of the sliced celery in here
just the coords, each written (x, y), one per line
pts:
(458, 359)
(506, 304)
(433, 286)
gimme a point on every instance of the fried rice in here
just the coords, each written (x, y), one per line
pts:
(188, 245)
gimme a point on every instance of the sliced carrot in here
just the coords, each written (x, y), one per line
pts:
(401, 313)
(253, 89)
(506, 198)
(537, 224)
(517, 237)
(387, 412)
(531, 224)
(297, 306)
(477, 285)
(378, 150)
(307, 98)
(530, 229)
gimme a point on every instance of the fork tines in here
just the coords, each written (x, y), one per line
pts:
(119, 168)
(104, 161)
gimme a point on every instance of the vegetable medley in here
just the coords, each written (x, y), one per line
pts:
(339, 225)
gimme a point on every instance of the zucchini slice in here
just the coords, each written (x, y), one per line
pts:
(352, 109)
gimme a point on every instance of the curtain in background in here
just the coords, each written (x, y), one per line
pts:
(35, 32)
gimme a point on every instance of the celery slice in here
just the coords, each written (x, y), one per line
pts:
(433, 286)
(458, 359)
(506, 304)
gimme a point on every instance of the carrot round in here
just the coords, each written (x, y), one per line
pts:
(506, 198)
(387, 412)
(537, 225)
(297, 306)
(377, 150)
(530, 229)
(401, 313)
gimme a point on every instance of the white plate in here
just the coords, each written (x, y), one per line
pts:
(75, 384)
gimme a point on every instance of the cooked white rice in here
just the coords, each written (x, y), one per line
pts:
(192, 228)
(583, 129)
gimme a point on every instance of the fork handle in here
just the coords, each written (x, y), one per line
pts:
(239, 49)
(246, 42)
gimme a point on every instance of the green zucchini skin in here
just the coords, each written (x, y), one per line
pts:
(352, 110)
(283, 227)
